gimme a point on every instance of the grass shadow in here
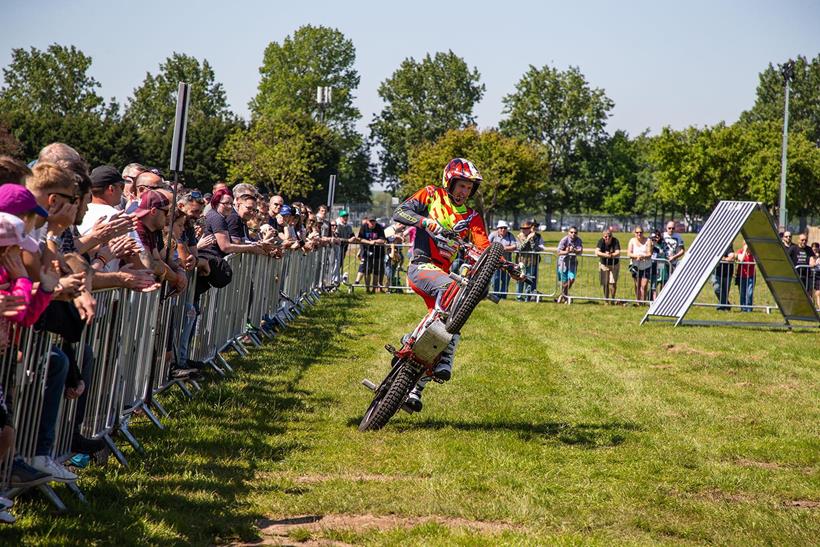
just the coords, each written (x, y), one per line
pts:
(582, 435)
(194, 483)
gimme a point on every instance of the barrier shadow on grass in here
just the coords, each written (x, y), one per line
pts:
(581, 435)
(192, 485)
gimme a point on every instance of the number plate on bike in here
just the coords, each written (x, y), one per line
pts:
(432, 342)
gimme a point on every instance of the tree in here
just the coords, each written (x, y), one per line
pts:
(287, 153)
(561, 111)
(423, 101)
(804, 98)
(291, 72)
(153, 108)
(52, 82)
(760, 167)
(9, 144)
(513, 170)
(49, 97)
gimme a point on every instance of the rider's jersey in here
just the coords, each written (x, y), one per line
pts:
(434, 202)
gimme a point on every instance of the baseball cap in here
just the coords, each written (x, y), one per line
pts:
(16, 199)
(151, 200)
(528, 223)
(12, 232)
(285, 210)
(342, 213)
(104, 176)
(502, 224)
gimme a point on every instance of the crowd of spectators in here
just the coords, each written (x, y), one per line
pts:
(67, 230)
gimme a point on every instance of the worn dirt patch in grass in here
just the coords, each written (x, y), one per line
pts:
(689, 350)
(282, 531)
(804, 504)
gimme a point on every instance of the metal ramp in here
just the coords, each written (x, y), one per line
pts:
(729, 219)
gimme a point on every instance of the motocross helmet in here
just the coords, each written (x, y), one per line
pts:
(460, 168)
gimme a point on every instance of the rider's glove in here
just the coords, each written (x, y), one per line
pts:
(431, 225)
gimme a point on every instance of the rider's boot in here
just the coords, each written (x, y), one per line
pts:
(413, 401)
(444, 368)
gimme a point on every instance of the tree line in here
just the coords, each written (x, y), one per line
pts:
(551, 151)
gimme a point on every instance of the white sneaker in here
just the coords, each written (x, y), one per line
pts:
(6, 503)
(7, 518)
(46, 464)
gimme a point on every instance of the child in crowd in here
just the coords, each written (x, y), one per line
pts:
(21, 305)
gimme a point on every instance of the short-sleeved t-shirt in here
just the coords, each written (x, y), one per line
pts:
(215, 223)
(150, 240)
(508, 239)
(569, 261)
(801, 256)
(612, 246)
(372, 234)
(674, 243)
(236, 227)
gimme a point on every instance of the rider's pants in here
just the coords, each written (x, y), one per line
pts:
(428, 281)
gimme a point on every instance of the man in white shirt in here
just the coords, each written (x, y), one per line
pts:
(674, 244)
(106, 191)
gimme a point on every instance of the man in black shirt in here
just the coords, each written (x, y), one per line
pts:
(801, 255)
(608, 250)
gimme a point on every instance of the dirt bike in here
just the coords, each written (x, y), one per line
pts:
(422, 349)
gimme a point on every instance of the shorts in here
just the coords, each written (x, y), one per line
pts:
(428, 281)
(566, 276)
(609, 274)
(642, 274)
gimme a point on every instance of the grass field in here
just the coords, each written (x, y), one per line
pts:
(562, 424)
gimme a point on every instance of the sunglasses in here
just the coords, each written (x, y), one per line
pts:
(638, 233)
(196, 194)
(71, 198)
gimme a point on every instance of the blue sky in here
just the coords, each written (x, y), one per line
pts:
(663, 63)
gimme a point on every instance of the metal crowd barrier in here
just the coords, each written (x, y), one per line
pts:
(133, 340)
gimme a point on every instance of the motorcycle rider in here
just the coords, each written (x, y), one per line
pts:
(436, 209)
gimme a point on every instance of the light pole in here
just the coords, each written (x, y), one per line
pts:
(787, 71)
(324, 95)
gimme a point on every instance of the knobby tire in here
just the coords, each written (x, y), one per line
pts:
(384, 407)
(474, 292)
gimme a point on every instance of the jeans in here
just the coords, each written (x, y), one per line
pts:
(87, 371)
(501, 283)
(55, 386)
(527, 288)
(721, 286)
(747, 287)
(188, 323)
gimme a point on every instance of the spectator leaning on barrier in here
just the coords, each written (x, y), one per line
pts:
(801, 255)
(674, 245)
(13, 171)
(815, 264)
(56, 188)
(530, 244)
(372, 239)
(217, 225)
(722, 278)
(502, 235)
(608, 251)
(569, 248)
(345, 233)
(659, 274)
(745, 277)
(639, 251)
(245, 199)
